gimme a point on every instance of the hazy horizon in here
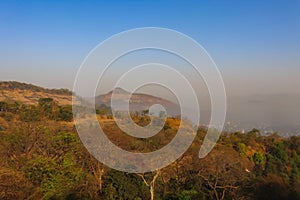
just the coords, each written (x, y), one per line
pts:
(255, 45)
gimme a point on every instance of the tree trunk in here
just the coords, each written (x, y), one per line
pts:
(151, 193)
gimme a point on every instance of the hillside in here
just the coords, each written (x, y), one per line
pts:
(42, 157)
(30, 94)
(138, 101)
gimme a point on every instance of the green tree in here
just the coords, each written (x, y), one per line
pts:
(242, 149)
(30, 113)
(259, 158)
(65, 113)
(120, 185)
(57, 177)
(278, 151)
(46, 105)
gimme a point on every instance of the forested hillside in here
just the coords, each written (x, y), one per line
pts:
(43, 158)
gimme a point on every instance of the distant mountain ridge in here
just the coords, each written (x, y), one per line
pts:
(14, 85)
(138, 101)
(30, 94)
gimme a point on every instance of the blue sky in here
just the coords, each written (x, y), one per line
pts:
(44, 42)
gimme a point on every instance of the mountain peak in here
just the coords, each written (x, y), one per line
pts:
(138, 101)
(119, 90)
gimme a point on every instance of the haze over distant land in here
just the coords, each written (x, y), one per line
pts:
(255, 44)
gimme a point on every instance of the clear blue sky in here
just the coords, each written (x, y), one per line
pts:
(44, 42)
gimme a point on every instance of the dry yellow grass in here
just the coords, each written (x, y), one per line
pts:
(31, 97)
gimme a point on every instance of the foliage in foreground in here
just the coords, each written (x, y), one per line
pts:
(43, 158)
